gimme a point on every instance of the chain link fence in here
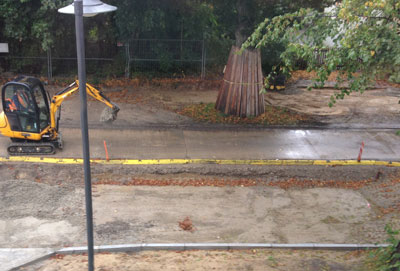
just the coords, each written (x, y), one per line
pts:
(176, 56)
(159, 56)
(154, 57)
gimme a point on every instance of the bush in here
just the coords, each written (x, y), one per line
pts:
(387, 258)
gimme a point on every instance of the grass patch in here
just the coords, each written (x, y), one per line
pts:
(273, 116)
(386, 258)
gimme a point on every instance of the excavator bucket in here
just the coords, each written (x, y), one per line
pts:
(109, 114)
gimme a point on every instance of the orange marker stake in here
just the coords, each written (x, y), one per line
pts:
(105, 148)
(361, 151)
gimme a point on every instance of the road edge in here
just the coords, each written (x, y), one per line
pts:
(268, 162)
(199, 246)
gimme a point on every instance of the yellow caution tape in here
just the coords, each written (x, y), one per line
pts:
(243, 83)
(71, 161)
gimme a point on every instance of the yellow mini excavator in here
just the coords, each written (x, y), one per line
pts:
(29, 115)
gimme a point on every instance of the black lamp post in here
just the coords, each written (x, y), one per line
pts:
(85, 8)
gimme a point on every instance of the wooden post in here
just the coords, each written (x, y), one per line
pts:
(239, 94)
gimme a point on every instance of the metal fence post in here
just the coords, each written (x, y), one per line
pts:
(203, 60)
(128, 61)
(49, 65)
(187, 54)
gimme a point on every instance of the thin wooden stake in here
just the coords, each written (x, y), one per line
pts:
(105, 148)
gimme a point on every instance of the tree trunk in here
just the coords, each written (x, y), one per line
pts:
(243, 78)
(240, 92)
(243, 26)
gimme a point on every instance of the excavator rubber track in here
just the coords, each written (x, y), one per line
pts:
(34, 148)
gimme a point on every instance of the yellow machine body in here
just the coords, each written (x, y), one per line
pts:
(29, 117)
(6, 131)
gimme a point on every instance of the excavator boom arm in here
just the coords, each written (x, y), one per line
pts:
(57, 100)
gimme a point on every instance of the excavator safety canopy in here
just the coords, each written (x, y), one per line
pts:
(31, 119)
(26, 105)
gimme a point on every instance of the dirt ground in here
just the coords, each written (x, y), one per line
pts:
(376, 107)
(43, 205)
(157, 103)
(243, 260)
(280, 204)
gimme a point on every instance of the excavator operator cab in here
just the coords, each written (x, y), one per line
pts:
(26, 105)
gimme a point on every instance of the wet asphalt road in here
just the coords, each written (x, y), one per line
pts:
(231, 144)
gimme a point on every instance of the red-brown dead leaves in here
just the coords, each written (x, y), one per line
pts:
(273, 115)
(217, 182)
(245, 182)
(186, 224)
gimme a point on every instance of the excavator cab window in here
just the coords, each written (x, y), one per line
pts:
(20, 108)
(26, 105)
(42, 107)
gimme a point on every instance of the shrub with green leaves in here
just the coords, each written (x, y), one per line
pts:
(387, 258)
(362, 39)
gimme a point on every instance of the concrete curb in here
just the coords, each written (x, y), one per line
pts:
(265, 162)
(43, 257)
(215, 246)
(199, 246)
(233, 127)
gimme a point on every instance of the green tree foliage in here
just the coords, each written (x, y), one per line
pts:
(365, 42)
(31, 27)
(255, 11)
(171, 19)
(165, 19)
(33, 20)
(237, 19)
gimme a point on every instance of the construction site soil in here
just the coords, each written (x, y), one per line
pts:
(43, 206)
(242, 260)
(158, 103)
(342, 204)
